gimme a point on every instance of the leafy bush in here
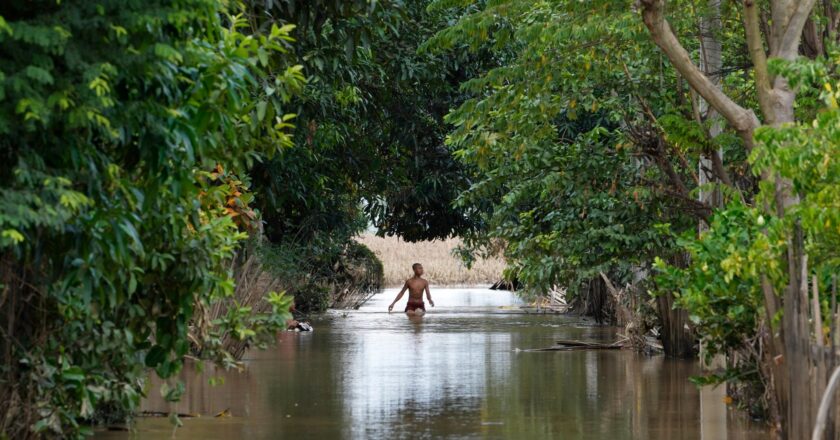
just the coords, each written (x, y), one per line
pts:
(112, 116)
(721, 288)
(317, 272)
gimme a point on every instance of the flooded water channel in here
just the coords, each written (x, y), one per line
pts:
(458, 373)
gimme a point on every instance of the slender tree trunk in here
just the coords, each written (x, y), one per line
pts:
(678, 340)
(711, 63)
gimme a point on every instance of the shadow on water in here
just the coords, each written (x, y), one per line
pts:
(453, 373)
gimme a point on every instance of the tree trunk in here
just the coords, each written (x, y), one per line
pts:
(809, 362)
(678, 340)
(711, 64)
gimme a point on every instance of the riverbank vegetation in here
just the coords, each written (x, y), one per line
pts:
(145, 142)
(174, 175)
(612, 131)
(127, 133)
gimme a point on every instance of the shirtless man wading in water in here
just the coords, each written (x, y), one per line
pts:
(415, 286)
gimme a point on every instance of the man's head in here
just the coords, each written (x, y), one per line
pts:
(417, 268)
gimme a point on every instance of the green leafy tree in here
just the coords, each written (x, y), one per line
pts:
(795, 390)
(370, 125)
(574, 168)
(112, 115)
(369, 138)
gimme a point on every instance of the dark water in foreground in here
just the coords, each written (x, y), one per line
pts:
(455, 373)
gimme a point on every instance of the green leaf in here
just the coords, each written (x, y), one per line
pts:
(73, 374)
(156, 356)
(261, 106)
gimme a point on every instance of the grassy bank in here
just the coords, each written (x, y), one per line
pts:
(442, 268)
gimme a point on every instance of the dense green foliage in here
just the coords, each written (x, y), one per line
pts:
(722, 288)
(141, 142)
(369, 127)
(587, 147)
(368, 144)
(123, 126)
(565, 154)
(133, 135)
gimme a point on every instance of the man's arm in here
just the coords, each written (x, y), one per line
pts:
(429, 295)
(399, 295)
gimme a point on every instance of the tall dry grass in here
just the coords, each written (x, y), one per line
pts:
(441, 267)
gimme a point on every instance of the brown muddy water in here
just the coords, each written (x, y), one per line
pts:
(458, 373)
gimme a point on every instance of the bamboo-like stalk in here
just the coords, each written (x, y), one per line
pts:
(825, 404)
(817, 312)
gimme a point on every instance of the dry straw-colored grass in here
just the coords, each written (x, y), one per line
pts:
(441, 267)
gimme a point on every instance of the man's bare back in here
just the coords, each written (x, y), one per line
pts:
(415, 287)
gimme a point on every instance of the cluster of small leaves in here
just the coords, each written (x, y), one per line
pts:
(243, 324)
(806, 154)
(721, 287)
(111, 113)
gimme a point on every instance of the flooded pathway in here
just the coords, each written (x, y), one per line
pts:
(455, 373)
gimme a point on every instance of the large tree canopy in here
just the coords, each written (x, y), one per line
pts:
(369, 138)
(568, 139)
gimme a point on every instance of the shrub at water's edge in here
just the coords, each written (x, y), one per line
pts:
(322, 273)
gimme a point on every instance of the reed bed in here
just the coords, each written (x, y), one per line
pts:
(441, 267)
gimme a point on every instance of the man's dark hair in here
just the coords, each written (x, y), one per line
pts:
(414, 266)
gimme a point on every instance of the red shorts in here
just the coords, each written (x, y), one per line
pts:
(415, 304)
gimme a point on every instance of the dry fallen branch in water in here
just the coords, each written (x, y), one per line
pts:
(651, 345)
(568, 345)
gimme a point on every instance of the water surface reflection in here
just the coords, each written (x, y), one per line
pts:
(455, 373)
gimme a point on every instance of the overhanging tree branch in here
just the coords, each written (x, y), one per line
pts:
(758, 56)
(743, 120)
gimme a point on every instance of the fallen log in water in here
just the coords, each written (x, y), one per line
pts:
(543, 310)
(587, 344)
(570, 345)
(167, 414)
